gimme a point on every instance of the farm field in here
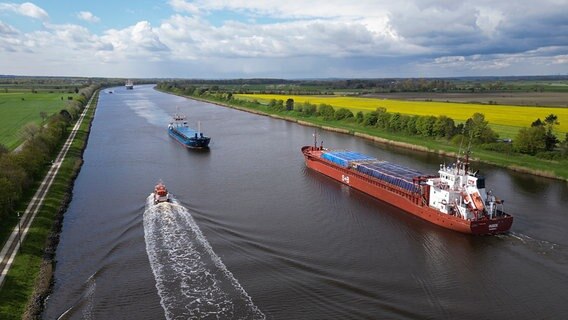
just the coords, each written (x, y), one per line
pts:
(19, 108)
(504, 119)
(538, 99)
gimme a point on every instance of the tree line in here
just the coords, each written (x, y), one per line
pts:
(19, 170)
(361, 86)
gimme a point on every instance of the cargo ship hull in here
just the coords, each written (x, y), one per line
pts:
(193, 142)
(411, 202)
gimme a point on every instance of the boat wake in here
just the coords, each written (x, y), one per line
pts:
(191, 279)
(554, 252)
(541, 246)
(149, 111)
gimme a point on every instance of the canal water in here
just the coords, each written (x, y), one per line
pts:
(254, 234)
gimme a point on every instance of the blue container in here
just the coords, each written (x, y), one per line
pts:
(391, 173)
(345, 158)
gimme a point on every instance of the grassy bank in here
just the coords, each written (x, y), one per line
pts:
(513, 161)
(19, 108)
(30, 277)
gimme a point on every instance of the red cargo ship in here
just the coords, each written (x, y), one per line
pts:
(456, 199)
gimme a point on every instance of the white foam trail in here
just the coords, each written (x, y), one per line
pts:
(85, 303)
(536, 243)
(191, 279)
(90, 298)
(149, 111)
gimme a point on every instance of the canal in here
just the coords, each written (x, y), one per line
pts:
(255, 234)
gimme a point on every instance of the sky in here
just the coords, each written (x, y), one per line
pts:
(223, 39)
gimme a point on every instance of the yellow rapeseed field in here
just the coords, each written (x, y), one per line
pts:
(500, 116)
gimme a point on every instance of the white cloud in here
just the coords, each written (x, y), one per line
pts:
(560, 59)
(6, 29)
(184, 6)
(448, 60)
(190, 37)
(299, 38)
(488, 20)
(137, 41)
(26, 9)
(88, 16)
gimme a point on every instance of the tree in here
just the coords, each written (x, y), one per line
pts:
(309, 109)
(411, 125)
(477, 128)
(370, 118)
(383, 118)
(425, 126)
(7, 195)
(359, 117)
(30, 131)
(343, 113)
(530, 140)
(537, 123)
(326, 111)
(3, 149)
(290, 104)
(444, 127)
(66, 115)
(550, 141)
(395, 123)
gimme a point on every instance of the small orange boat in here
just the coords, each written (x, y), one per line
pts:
(161, 193)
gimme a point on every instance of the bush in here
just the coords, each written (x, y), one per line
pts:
(370, 119)
(343, 113)
(359, 117)
(309, 109)
(326, 111)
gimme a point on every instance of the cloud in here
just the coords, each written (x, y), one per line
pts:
(321, 37)
(190, 37)
(26, 9)
(139, 41)
(545, 59)
(488, 20)
(88, 16)
(6, 29)
(184, 6)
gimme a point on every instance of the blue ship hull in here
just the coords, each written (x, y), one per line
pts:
(195, 141)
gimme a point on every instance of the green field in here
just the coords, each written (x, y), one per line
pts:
(19, 108)
(504, 119)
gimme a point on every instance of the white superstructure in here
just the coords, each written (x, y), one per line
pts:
(460, 192)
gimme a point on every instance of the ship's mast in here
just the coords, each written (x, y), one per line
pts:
(315, 140)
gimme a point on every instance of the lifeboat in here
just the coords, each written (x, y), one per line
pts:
(161, 193)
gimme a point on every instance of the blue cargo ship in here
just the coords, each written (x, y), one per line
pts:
(179, 130)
